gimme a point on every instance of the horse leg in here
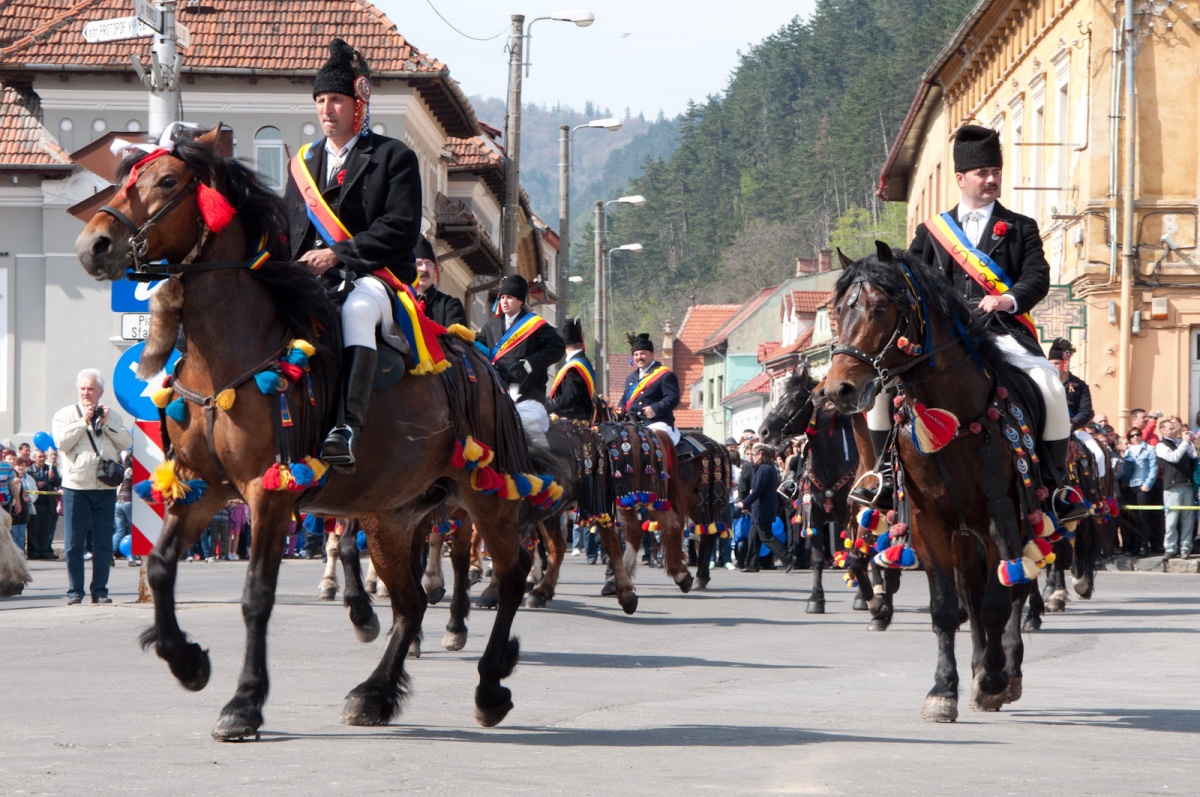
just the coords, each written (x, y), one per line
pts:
(882, 606)
(537, 570)
(621, 583)
(671, 531)
(1083, 565)
(989, 686)
(395, 549)
(435, 581)
(1014, 646)
(631, 531)
(242, 715)
(1037, 607)
(816, 598)
(355, 598)
(1064, 555)
(455, 637)
(556, 550)
(182, 526)
(475, 573)
(705, 546)
(327, 589)
(941, 704)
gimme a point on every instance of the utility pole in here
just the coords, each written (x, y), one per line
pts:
(598, 280)
(512, 148)
(164, 75)
(564, 221)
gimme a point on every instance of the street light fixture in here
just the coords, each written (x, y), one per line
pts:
(512, 127)
(601, 277)
(566, 137)
(609, 300)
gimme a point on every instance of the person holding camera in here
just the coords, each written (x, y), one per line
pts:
(1177, 457)
(90, 437)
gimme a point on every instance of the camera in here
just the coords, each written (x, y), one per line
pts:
(98, 417)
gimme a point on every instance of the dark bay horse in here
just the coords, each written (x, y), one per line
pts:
(831, 466)
(238, 322)
(967, 514)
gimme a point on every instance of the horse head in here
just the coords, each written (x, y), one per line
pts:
(792, 410)
(876, 307)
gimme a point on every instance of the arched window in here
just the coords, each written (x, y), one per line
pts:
(268, 156)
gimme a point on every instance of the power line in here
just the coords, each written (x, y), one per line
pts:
(459, 32)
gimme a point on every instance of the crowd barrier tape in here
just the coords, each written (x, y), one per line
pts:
(1148, 507)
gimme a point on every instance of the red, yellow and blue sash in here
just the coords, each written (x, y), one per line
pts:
(420, 331)
(646, 381)
(585, 371)
(986, 272)
(516, 335)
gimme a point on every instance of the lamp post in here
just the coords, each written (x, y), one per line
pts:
(512, 131)
(599, 280)
(608, 297)
(566, 136)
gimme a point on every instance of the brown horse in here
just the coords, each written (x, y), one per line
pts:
(238, 322)
(967, 509)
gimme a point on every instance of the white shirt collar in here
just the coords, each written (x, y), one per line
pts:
(344, 151)
(984, 212)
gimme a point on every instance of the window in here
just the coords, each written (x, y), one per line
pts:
(268, 156)
(710, 394)
(1015, 167)
(720, 387)
(66, 134)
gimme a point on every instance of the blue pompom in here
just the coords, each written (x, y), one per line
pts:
(524, 488)
(360, 541)
(267, 382)
(297, 357)
(143, 490)
(177, 411)
(302, 474)
(198, 488)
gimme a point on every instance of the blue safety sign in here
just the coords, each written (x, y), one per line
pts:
(133, 297)
(132, 393)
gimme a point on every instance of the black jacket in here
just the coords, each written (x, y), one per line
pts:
(1079, 401)
(573, 399)
(662, 396)
(1018, 251)
(442, 308)
(541, 350)
(763, 500)
(379, 202)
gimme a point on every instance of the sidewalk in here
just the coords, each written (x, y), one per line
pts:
(1150, 564)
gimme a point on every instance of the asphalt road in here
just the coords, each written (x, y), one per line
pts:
(729, 692)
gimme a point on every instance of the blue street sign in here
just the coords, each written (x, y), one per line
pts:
(132, 393)
(133, 297)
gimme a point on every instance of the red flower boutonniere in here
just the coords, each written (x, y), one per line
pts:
(999, 229)
(341, 178)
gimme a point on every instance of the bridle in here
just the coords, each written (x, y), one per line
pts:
(804, 411)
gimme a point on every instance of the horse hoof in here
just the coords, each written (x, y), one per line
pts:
(630, 606)
(363, 708)
(454, 640)
(414, 650)
(239, 720)
(1057, 602)
(371, 587)
(529, 586)
(609, 590)
(982, 701)
(685, 583)
(435, 595)
(486, 601)
(1032, 624)
(326, 593)
(701, 583)
(535, 600)
(195, 668)
(1014, 690)
(940, 709)
(492, 713)
(474, 576)
(1083, 588)
(815, 607)
(860, 605)
(879, 624)
(369, 631)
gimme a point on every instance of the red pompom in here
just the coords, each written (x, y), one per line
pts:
(457, 459)
(270, 479)
(292, 372)
(214, 208)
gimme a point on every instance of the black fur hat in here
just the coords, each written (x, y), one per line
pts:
(424, 250)
(514, 285)
(572, 332)
(640, 342)
(1060, 349)
(976, 147)
(343, 68)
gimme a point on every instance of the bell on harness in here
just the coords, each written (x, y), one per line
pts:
(882, 497)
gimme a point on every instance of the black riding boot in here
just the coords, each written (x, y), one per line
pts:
(359, 370)
(882, 500)
(1064, 507)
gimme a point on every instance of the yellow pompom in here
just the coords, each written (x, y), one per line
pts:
(556, 491)
(472, 451)
(167, 482)
(848, 544)
(459, 331)
(318, 467)
(510, 488)
(161, 396)
(285, 477)
(536, 485)
(304, 346)
(487, 458)
(224, 399)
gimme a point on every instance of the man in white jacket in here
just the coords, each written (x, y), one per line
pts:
(84, 433)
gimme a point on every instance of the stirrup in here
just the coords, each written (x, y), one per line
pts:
(863, 495)
(338, 448)
(1071, 509)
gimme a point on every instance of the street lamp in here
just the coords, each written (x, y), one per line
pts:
(599, 276)
(512, 129)
(608, 300)
(566, 137)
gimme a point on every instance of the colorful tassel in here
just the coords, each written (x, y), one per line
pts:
(900, 557)
(303, 346)
(536, 483)
(177, 411)
(267, 381)
(303, 475)
(271, 479)
(522, 485)
(224, 399)
(932, 429)
(850, 580)
(486, 480)
(290, 371)
(318, 468)
(360, 540)
(161, 396)
(214, 208)
(870, 519)
(461, 332)
(297, 358)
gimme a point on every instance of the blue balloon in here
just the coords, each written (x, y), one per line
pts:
(360, 540)
(125, 547)
(44, 442)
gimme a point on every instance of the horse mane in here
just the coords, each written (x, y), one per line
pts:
(943, 304)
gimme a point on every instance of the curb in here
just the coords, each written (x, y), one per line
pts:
(1150, 564)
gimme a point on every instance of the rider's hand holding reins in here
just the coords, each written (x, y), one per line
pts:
(318, 261)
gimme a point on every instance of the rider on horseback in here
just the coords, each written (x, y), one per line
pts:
(573, 392)
(994, 258)
(354, 211)
(652, 391)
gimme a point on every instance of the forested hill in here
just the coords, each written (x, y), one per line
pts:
(783, 163)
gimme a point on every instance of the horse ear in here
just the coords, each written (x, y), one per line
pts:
(883, 252)
(845, 261)
(219, 140)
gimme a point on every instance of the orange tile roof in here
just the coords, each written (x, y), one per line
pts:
(760, 383)
(722, 334)
(473, 153)
(765, 350)
(799, 344)
(700, 322)
(243, 37)
(805, 301)
(23, 140)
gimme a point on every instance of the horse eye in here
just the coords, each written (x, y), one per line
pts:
(168, 181)
(878, 311)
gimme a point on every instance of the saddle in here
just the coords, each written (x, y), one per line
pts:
(688, 448)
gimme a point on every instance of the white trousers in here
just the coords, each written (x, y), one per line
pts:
(1097, 452)
(671, 431)
(1057, 423)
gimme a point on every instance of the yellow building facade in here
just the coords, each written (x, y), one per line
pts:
(1051, 77)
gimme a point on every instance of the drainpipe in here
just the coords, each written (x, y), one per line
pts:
(1114, 158)
(1129, 255)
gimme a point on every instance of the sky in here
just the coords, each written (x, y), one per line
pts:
(644, 55)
